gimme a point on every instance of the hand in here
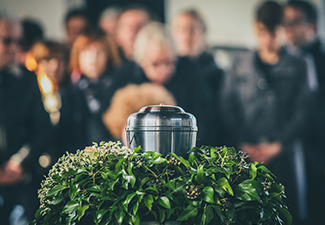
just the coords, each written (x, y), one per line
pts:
(262, 152)
(11, 173)
(268, 151)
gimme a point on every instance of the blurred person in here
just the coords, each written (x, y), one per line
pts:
(25, 130)
(189, 33)
(157, 62)
(52, 59)
(129, 22)
(300, 23)
(93, 56)
(131, 99)
(32, 32)
(301, 30)
(76, 20)
(263, 102)
(108, 19)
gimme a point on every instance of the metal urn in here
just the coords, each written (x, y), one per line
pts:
(162, 128)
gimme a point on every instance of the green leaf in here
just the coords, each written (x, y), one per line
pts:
(152, 189)
(135, 208)
(81, 211)
(200, 174)
(113, 175)
(181, 159)
(164, 201)
(137, 149)
(285, 215)
(217, 208)
(95, 188)
(104, 176)
(188, 213)
(100, 214)
(148, 200)
(276, 196)
(226, 171)
(119, 164)
(191, 160)
(208, 193)
(56, 190)
(70, 207)
(81, 170)
(72, 191)
(263, 168)
(207, 215)
(253, 171)
(213, 152)
(58, 199)
(144, 181)
(119, 216)
(162, 215)
(223, 182)
(246, 191)
(128, 200)
(129, 179)
(159, 160)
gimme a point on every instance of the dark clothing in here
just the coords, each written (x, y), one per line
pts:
(315, 49)
(209, 70)
(26, 124)
(83, 106)
(264, 103)
(314, 132)
(189, 91)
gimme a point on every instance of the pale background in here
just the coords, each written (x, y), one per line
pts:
(229, 22)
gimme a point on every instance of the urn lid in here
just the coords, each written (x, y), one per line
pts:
(161, 118)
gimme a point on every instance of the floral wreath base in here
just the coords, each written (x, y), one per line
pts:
(111, 184)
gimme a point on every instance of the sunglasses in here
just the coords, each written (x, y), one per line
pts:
(297, 21)
(7, 41)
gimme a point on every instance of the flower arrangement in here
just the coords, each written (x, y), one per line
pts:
(110, 184)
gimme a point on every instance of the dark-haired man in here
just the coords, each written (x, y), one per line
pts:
(24, 129)
(301, 31)
(300, 23)
(75, 22)
(263, 101)
(129, 22)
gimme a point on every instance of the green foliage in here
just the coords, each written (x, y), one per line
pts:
(110, 184)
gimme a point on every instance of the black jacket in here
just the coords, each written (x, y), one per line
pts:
(25, 120)
(264, 103)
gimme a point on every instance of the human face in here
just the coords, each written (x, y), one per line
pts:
(93, 60)
(10, 32)
(128, 26)
(268, 41)
(108, 25)
(297, 29)
(74, 27)
(159, 63)
(54, 68)
(189, 36)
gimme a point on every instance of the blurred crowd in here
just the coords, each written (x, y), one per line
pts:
(57, 97)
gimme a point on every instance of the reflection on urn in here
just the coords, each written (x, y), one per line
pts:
(162, 128)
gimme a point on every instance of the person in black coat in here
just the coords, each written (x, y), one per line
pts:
(25, 129)
(263, 103)
(301, 31)
(189, 32)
